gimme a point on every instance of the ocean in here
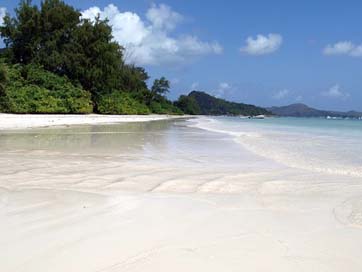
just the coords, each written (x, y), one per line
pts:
(315, 144)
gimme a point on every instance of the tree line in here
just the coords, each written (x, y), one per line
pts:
(55, 61)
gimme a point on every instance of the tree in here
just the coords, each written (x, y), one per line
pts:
(22, 32)
(159, 89)
(120, 103)
(58, 22)
(56, 38)
(94, 59)
(2, 78)
(188, 105)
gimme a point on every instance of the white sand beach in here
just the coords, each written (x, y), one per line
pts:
(164, 196)
(20, 121)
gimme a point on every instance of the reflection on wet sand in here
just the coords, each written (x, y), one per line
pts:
(87, 139)
(153, 156)
(162, 156)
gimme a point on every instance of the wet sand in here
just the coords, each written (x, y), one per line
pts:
(161, 196)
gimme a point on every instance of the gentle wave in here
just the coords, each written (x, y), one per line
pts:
(302, 148)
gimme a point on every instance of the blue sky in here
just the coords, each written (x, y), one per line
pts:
(261, 52)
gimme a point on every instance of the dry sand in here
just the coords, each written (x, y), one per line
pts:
(160, 196)
(21, 121)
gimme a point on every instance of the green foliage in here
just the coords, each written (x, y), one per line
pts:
(83, 69)
(160, 86)
(134, 78)
(164, 106)
(188, 104)
(34, 99)
(134, 82)
(54, 36)
(81, 66)
(159, 89)
(120, 103)
(93, 59)
(22, 32)
(157, 101)
(30, 89)
(205, 104)
(2, 79)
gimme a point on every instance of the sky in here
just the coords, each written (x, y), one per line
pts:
(253, 51)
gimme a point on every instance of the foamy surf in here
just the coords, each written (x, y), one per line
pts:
(297, 143)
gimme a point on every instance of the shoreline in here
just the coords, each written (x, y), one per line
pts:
(165, 196)
(26, 121)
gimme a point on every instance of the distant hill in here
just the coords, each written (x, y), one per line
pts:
(302, 110)
(201, 103)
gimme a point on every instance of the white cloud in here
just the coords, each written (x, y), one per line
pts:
(299, 98)
(343, 48)
(2, 14)
(224, 85)
(222, 89)
(335, 92)
(281, 94)
(163, 17)
(150, 41)
(262, 45)
(357, 51)
(194, 86)
(338, 48)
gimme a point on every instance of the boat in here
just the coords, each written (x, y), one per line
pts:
(257, 117)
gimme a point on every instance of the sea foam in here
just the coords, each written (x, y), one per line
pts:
(330, 147)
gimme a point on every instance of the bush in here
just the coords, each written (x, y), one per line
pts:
(33, 99)
(120, 103)
(188, 105)
(30, 89)
(164, 106)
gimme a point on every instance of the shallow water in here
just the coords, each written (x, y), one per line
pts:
(154, 156)
(315, 144)
(173, 156)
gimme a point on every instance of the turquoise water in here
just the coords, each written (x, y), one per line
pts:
(314, 144)
(321, 126)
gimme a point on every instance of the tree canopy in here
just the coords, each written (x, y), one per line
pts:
(55, 61)
(160, 88)
(55, 37)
